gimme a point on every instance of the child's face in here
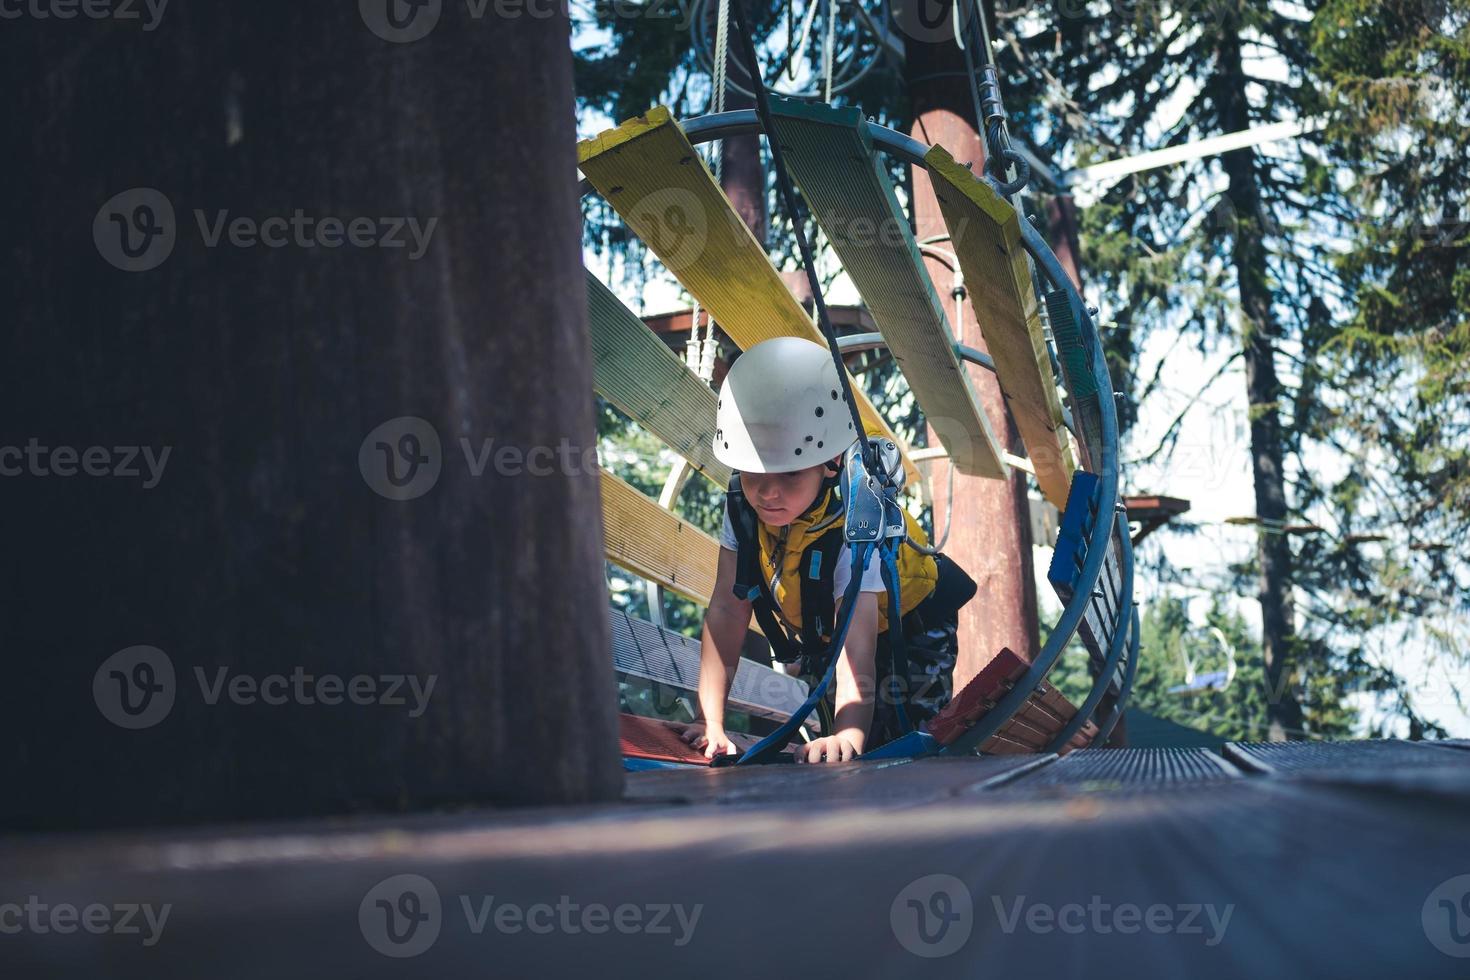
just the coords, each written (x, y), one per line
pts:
(780, 498)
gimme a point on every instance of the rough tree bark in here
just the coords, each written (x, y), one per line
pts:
(265, 549)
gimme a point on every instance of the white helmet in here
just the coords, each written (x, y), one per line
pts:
(781, 409)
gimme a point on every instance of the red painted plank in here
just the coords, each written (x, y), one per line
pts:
(1044, 714)
(651, 738)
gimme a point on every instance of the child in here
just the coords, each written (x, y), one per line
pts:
(783, 425)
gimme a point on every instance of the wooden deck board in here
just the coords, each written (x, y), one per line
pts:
(1315, 880)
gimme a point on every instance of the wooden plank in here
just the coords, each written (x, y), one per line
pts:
(648, 171)
(890, 782)
(845, 183)
(1309, 758)
(986, 234)
(649, 383)
(654, 738)
(1044, 714)
(1295, 880)
(657, 544)
(644, 650)
(1112, 769)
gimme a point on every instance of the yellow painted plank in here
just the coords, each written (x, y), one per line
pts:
(648, 171)
(986, 233)
(657, 544)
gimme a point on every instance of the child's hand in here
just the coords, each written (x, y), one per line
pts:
(711, 740)
(841, 747)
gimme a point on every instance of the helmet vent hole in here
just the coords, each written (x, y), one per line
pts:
(819, 411)
(808, 438)
(798, 452)
(834, 394)
(819, 444)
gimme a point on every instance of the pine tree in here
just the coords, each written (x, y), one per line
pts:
(1398, 76)
(1233, 251)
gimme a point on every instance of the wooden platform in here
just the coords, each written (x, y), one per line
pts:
(1107, 862)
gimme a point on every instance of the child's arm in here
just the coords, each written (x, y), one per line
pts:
(725, 623)
(855, 689)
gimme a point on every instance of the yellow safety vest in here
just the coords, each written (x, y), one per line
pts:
(917, 572)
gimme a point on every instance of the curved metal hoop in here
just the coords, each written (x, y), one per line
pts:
(1112, 519)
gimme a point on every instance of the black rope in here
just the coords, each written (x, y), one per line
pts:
(788, 196)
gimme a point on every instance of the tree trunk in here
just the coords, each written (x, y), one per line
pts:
(1258, 333)
(1061, 226)
(990, 526)
(269, 567)
(744, 176)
